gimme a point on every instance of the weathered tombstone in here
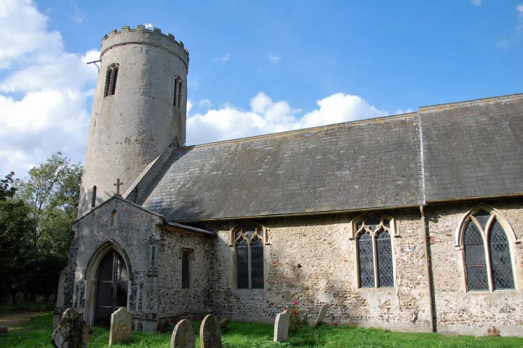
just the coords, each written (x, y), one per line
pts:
(3, 330)
(281, 327)
(183, 335)
(224, 322)
(210, 335)
(121, 326)
(493, 332)
(321, 315)
(72, 331)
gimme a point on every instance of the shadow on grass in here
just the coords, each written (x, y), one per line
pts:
(37, 333)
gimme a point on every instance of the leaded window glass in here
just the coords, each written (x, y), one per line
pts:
(242, 264)
(502, 275)
(484, 235)
(374, 245)
(366, 261)
(384, 255)
(475, 259)
(257, 263)
(249, 256)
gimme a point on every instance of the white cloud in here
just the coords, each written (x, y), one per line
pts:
(274, 58)
(222, 59)
(476, 2)
(44, 95)
(149, 26)
(268, 116)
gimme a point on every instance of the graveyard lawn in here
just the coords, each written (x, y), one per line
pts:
(37, 333)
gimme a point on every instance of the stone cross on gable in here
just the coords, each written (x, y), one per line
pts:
(118, 184)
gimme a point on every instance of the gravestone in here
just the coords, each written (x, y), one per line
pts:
(183, 335)
(281, 327)
(3, 330)
(72, 331)
(121, 326)
(224, 322)
(321, 315)
(210, 335)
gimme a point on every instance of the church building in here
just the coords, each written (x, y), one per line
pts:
(411, 222)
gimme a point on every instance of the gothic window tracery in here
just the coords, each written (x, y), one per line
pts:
(110, 80)
(486, 252)
(374, 251)
(249, 256)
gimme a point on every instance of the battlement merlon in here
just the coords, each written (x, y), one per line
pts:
(140, 35)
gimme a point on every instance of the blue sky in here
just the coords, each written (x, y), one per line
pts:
(256, 66)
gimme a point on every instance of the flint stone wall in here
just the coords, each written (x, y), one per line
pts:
(136, 233)
(175, 302)
(473, 312)
(312, 260)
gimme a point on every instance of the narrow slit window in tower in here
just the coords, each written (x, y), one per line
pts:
(93, 197)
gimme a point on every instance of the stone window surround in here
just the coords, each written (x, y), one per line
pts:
(512, 239)
(232, 244)
(354, 234)
(110, 77)
(177, 90)
(191, 265)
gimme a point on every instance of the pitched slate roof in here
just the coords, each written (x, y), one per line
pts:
(442, 153)
(473, 149)
(349, 166)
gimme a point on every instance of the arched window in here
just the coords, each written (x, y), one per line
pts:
(486, 252)
(177, 99)
(110, 80)
(374, 251)
(249, 256)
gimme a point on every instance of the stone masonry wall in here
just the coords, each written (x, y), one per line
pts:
(312, 260)
(173, 301)
(473, 312)
(137, 235)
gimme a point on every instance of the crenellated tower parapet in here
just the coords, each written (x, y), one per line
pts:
(143, 36)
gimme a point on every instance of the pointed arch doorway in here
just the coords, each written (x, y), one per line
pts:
(111, 288)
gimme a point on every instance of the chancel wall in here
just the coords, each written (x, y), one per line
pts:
(312, 260)
(466, 312)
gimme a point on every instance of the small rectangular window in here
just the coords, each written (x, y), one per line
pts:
(187, 256)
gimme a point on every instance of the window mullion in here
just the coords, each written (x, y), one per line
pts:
(249, 264)
(375, 259)
(488, 263)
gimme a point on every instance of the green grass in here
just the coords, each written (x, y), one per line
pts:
(37, 333)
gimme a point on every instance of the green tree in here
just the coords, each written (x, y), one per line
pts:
(52, 194)
(15, 251)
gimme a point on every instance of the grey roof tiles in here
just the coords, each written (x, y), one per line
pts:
(470, 149)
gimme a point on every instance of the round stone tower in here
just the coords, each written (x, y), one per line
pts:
(139, 109)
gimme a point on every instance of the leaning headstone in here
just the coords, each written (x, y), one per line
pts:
(321, 315)
(183, 335)
(72, 331)
(281, 327)
(121, 326)
(224, 322)
(3, 330)
(210, 335)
